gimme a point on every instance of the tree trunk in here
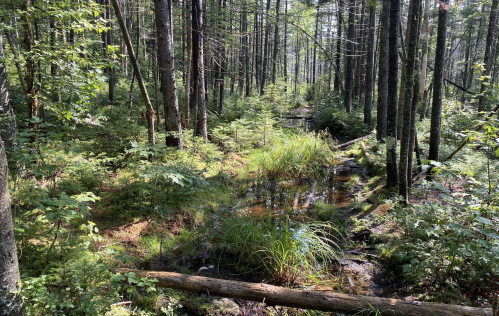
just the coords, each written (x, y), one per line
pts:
(369, 67)
(424, 50)
(188, 68)
(11, 303)
(316, 300)
(32, 92)
(276, 43)
(314, 62)
(198, 69)
(412, 41)
(350, 57)
(164, 29)
(338, 47)
(110, 41)
(265, 50)
(488, 55)
(8, 126)
(438, 78)
(20, 72)
(383, 71)
(391, 120)
(135, 64)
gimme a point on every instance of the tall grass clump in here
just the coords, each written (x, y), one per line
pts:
(283, 252)
(296, 156)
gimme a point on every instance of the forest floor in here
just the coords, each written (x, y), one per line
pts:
(353, 186)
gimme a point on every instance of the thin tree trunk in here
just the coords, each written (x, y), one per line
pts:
(265, 50)
(164, 27)
(8, 126)
(383, 71)
(143, 90)
(350, 58)
(338, 47)
(391, 120)
(424, 49)
(438, 78)
(16, 61)
(32, 92)
(369, 68)
(405, 139)
(110, 41)
(488, 55)
(198, 68)
(276, 43)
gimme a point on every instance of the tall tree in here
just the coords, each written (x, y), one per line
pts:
(276, 42)
(11, 303)
(198, 69)
(8, 127)
(266, 47)
(136, 69)
(488, 55)
(438, 78)
(349, 65)
(391, 118)
(338, 46)
(370, 65)
(31, 89)
(383, 71)
(166, 61)
(412, 41)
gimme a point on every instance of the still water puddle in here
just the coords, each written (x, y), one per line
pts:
(277, 198)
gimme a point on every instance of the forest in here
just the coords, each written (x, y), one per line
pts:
(236, 157)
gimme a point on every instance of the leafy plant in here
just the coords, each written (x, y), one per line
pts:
(288, 253)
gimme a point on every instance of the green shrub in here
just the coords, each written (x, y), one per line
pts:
(448, 245)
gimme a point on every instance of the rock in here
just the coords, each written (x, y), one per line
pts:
(225, 306)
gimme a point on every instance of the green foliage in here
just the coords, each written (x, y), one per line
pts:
(247, 132)
(329, 114)
(286, 252)
(296, 156)
(449, 245)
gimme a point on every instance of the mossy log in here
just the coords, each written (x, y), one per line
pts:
(306, 299)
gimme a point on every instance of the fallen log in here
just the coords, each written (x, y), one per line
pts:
(366, 153)
(477, 129)
(323, 301)
(350, 143)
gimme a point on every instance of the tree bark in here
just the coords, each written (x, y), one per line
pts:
(488, 55)
(8, 127)
(266, 45)
(166, 62)
(383, 71)
(349, 65)
(16, 61)
(412, 41)
(11, 303)
(391, 120)
(140, 81)
(316, 300)
(32, 92)
(338, 47)
(276, 42)
(424, 50)
(198, 69)
(369, 67)
(438, 76)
